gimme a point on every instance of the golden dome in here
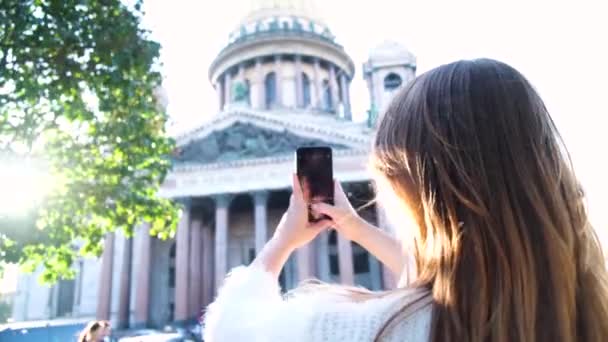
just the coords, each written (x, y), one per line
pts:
(260, 9)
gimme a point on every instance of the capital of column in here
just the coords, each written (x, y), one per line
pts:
(260, 197)
(258, 68)
(222, 200)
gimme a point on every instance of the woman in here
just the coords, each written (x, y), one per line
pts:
(471, 171)
(95, 331)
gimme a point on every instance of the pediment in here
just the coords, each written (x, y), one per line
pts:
(243, 140)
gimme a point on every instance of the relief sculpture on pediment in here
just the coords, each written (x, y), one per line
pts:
(244, 141)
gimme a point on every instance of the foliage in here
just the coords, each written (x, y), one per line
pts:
(77, 89)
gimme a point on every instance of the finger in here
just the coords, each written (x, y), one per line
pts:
(326, 209)
(297, 189)
(320, 225)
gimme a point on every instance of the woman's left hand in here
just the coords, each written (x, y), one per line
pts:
(294, 230)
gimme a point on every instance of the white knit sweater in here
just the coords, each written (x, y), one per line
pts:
(249, 307)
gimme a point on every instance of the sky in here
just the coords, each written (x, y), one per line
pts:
(559, 46)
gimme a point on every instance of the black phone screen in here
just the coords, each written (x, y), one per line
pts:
(315, 172)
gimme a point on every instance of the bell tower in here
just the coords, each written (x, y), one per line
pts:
(390, 66)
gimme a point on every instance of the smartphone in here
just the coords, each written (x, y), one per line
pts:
(314, 167)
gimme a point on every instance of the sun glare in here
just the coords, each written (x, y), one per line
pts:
(23, 184)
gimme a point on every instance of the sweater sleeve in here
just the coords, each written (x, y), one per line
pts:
(249, 307)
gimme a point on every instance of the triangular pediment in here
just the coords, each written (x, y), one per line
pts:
(244, 140)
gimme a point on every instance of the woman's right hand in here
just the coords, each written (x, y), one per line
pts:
(343, 216)
(349, 224)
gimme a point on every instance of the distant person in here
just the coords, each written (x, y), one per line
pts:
(95, 331)
(479, 187)
(107, 330)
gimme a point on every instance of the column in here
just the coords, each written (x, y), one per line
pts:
(219, 87)
(260, 199)
(322, 242)
(104, 299)
(261, 91)
(378, 93)
(318, 102)
(388, 278)
(195, 267)
(304, 258)
(227, 85)
(298, 79)
(182, 258)
(278, 69)
(241, 72)
(345, 260)
(222, 204)
(143, 271)
(125, 284)
(207, 265)
(78, 287)
(54, 300)
(345, 96)
(333, 84)
(375, 272)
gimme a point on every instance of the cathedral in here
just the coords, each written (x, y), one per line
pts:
(282, 81)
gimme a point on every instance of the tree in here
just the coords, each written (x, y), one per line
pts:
(77, 90)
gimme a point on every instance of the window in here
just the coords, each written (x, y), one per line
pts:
(305, 90)
(171, 281)
(270, 87)
(251, 255)
(334, 265)
(334, 261)
(171, 311)
(65, 297)
(392, 81)
(172, 267)
(327, 100)
(361, 263)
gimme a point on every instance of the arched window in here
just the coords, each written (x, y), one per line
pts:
(392, 81)
(270, 87)
(305, 90)
(327, 101)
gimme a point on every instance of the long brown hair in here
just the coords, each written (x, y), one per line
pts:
(503, 243)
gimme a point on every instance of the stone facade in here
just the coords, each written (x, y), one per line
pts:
(232, 177)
